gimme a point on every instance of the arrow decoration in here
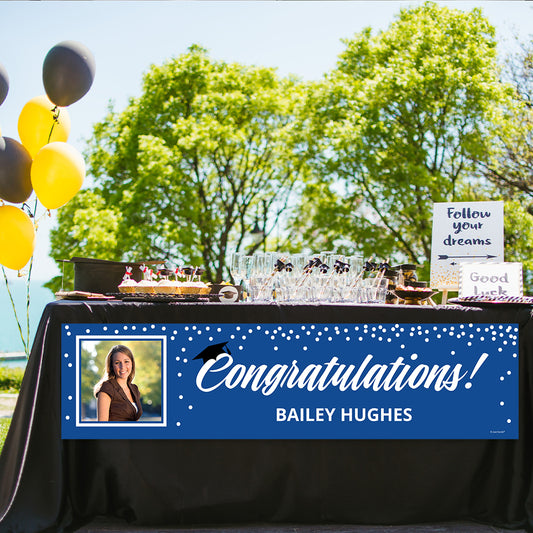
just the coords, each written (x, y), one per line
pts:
(444, 257)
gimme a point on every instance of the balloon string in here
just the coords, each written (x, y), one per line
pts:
(27, 209)
(24, 343)
(46, 213)
(28, 306)
(56, 112)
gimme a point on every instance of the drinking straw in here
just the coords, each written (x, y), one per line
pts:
(338, 265)
(278, 267)
(367, 267)
(308, 269)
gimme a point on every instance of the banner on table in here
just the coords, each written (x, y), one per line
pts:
(300, 381)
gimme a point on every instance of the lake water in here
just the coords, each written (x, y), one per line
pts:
(10, 340)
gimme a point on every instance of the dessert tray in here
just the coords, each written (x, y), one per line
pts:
(165, 298)
(481, 301)
(414, 296)
(224, 293)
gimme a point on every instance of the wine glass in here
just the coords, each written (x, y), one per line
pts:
(245, 268)
(235, 267)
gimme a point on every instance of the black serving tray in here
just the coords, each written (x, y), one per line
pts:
(165, 298)
(485, 301)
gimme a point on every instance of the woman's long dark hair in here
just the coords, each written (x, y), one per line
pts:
(109, 373)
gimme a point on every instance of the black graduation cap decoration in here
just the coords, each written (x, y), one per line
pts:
(384, 266)
(279, 266)
(289, 267)
(341, 267)
(369, 266)
(212, 351)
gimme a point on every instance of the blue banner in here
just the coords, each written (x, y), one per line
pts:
(299, 381)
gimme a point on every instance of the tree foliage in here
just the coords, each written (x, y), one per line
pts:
(395, 127)
(511, 166)
(187, 169)
(416, 114)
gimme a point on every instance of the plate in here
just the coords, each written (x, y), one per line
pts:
(414, 295)
(472, 301)
(162, 298)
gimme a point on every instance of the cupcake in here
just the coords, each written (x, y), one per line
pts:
(166, 286)
(128, 286)
(194, 287)
(145, 286)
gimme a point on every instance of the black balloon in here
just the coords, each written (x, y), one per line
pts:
(4, 84)
(15, 166)
(68, 72)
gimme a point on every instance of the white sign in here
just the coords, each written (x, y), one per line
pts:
(464, 232)
(491, 279)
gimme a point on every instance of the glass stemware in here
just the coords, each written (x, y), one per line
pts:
(235, 267)
(321, 277)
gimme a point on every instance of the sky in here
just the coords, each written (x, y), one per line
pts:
(294, 36)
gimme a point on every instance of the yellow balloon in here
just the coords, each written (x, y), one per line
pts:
(17, 237)
(39, 125)
(57, 174)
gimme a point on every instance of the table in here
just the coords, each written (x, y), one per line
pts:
(50, 484)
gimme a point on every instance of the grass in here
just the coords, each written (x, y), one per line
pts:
(11, 379)
(4, 426)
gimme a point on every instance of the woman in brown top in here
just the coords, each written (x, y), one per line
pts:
(118, 399)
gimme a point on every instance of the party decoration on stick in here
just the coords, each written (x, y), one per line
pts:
(57, 174)
(367, 267)
(42, 122)
(382, 268)
(15, 165)
(278, 267)
(68, 72)
(339, 267)
(308, 269)
(164, 273)
(4, 83)
(17, 237)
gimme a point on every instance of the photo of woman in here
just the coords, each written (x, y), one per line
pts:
(117, 398)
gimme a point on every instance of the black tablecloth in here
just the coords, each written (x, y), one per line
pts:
(49, 484)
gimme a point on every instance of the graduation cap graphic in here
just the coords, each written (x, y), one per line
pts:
(212, 351)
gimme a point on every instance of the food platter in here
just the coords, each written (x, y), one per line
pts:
(166, 298)
(489, 301)
(414, 296)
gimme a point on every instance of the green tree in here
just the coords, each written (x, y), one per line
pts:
(208, 150)
(90, 374)
(395, 127)
(511, 166)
